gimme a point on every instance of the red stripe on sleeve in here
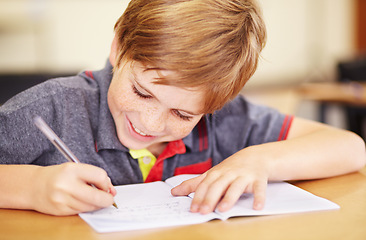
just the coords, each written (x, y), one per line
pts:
(288, 127)
(285, 128)
(89, 74)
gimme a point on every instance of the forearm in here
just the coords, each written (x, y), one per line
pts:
(16, 186)
(318, 154)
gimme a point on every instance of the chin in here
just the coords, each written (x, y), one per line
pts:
(130, 144)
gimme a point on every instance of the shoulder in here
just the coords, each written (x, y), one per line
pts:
(246, 122)
(53, 90)
(242, 109)
(75, 82)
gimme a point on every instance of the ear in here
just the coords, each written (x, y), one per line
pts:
(113, 54)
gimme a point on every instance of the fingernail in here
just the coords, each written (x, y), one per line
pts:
(204, 209)
(173, 191)
(258, 206)
(223, 207)
(194, 208)
(112, 191)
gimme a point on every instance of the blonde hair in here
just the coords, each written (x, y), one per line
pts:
(213, 45)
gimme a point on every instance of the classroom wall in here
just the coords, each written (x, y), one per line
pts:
(56, 35)
(305, 37)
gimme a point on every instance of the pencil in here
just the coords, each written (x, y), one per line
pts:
(58, 143)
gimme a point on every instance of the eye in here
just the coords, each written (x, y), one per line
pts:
(140, 94)
(181, 116)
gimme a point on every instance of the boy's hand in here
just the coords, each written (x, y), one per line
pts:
(65, 189)
(222, 185)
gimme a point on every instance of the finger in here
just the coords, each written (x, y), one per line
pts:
(94, 186)
(259, 191)
(187, 187)
(198, 197)
(112, 190)
(95, 176)
(76, 206)
(233, 193)
(92, 196)
(201, 190)
(63, 204)
(214, 193)
(209, 191)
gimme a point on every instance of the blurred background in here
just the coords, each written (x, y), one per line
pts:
(307, 39)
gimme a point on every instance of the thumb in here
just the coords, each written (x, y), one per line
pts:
(112, 190)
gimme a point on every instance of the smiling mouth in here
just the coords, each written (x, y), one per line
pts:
(139, 131)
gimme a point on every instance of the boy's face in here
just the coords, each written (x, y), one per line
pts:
(146, 114)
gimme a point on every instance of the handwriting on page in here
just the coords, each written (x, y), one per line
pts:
(149, 212)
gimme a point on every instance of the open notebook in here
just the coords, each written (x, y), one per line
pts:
(150, 205)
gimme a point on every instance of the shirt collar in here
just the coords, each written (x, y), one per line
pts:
(136, 154)
(106, 136)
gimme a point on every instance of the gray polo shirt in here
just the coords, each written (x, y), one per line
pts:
(76, 109)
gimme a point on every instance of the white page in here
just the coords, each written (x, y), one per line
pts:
(142, 206)
(151, 205)
(281, 198)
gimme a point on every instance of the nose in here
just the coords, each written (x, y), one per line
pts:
(154, 120)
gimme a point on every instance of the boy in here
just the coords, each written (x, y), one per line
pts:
(165, 104)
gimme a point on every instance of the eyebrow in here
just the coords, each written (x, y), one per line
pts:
(136, 80)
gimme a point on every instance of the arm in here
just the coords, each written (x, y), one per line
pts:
(317, 151)
(312, 150)
(57, 190)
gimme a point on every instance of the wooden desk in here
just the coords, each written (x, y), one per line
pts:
(349, 191)
(352, 93)
(351, 96)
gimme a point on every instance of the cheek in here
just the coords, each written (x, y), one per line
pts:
(179, 129)
(124, 103)
(121, 101)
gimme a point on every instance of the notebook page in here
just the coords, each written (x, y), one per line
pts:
(281, 198)
(151, 205)
(142, 206)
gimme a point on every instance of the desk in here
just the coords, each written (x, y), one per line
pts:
(351, 96)
(352, 93)
(349, 191)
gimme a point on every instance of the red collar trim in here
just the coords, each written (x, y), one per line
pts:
(173, 148)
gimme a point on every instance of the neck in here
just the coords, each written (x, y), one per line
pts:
(157, 148)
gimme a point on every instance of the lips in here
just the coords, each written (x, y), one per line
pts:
(138, 134)
(139, 131)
